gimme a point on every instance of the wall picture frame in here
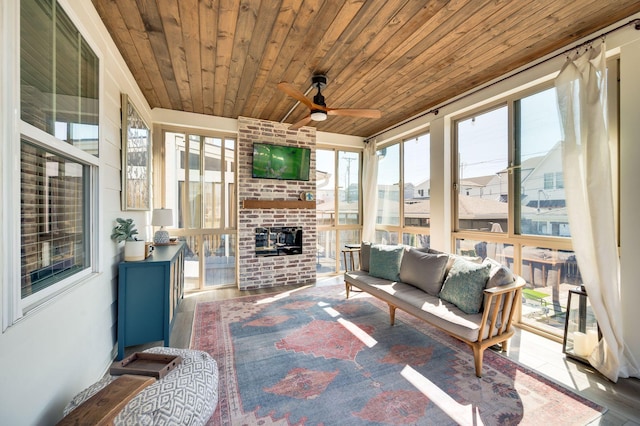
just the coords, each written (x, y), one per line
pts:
(136, 158)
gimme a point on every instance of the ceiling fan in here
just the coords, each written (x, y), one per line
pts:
(318, 109)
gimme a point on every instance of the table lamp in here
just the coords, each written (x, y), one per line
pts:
(161, 218)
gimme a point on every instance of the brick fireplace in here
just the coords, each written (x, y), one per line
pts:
(273, 203)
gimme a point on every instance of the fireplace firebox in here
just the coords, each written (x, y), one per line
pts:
(278, 241)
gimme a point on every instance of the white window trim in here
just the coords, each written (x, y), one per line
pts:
(10, 161)
(13, 129)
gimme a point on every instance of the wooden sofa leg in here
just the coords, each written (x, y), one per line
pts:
(347, 286)
(392, 314)
(505, 346)
(478, 353)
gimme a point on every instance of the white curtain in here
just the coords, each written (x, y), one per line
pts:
(369, 192)
(581, 88)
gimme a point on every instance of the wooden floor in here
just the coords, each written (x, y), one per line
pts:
(543, 355)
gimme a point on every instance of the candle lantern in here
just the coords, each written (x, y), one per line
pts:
(581, 332)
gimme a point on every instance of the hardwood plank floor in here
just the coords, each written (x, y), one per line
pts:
(543, 355)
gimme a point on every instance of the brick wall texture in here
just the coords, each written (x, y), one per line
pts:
(260, 272)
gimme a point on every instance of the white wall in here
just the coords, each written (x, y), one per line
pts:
(629, 194)
(65, 345)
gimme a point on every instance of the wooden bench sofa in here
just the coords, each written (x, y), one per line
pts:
(420, 289)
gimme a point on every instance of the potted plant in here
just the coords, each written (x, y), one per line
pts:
(125, 230)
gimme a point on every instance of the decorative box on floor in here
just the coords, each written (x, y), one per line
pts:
(186, 395)
(581, 332)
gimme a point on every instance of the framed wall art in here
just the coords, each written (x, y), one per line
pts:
(136, 159)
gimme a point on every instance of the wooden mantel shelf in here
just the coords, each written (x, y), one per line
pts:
(278, 204)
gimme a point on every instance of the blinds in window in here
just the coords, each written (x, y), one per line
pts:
(53, 218)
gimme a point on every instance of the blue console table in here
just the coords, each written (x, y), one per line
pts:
(148, 293)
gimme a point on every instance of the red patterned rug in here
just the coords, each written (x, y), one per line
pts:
(310, 357)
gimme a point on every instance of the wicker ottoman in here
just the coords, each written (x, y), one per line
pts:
(186, 396)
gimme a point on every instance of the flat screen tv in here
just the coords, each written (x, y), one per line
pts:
(281, 162)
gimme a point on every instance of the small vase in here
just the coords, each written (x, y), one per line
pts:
(134, 250)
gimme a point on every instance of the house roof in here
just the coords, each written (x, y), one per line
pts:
(225, 58)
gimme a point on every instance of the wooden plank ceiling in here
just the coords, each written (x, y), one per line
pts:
(403, 57)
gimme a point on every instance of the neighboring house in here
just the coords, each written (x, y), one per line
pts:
(423, 189)
(543, 185)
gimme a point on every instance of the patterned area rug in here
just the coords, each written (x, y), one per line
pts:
(310, 357)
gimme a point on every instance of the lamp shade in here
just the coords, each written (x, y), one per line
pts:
(162, 217)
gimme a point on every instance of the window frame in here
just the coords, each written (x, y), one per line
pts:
(228, 193)
(13, 128)
(512, 235)
(336, 227)
(402, 228)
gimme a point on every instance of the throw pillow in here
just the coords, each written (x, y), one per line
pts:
(498, 274)
(464, 285)
(423, 270)
(384, 261)
(365, 250)
(453, 257)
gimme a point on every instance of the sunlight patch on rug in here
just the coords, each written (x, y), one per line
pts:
(459, 413)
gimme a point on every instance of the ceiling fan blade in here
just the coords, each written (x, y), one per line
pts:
(300, 123)
(361, 113)
(290, 90)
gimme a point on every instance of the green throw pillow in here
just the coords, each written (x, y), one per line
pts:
(464, 285)
(384, 261)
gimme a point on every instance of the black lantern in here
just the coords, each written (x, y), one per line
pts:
(581, 332)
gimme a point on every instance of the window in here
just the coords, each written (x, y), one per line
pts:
(54, 222)
(404, 216)
(199, 184)
(337, 206)
(58, 76)
(482, 171)
(389, 186)
(542, 200)
(525, 227)
(59, 88)
(348, 188)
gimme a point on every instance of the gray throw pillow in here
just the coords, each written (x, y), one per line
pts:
(365, 250)
(464, 285)
(423, 270)
(499, 274)
(384, 261)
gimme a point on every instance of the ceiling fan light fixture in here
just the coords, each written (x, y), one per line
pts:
(318, 115)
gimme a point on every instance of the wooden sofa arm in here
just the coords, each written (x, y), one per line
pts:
(519, 283)
(500, 303)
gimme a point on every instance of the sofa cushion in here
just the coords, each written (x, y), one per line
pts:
(423, 270)
(384, 261)
(464, 285)
(435, 311)
(365, 250)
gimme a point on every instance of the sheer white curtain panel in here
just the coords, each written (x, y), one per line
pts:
(581, 88)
